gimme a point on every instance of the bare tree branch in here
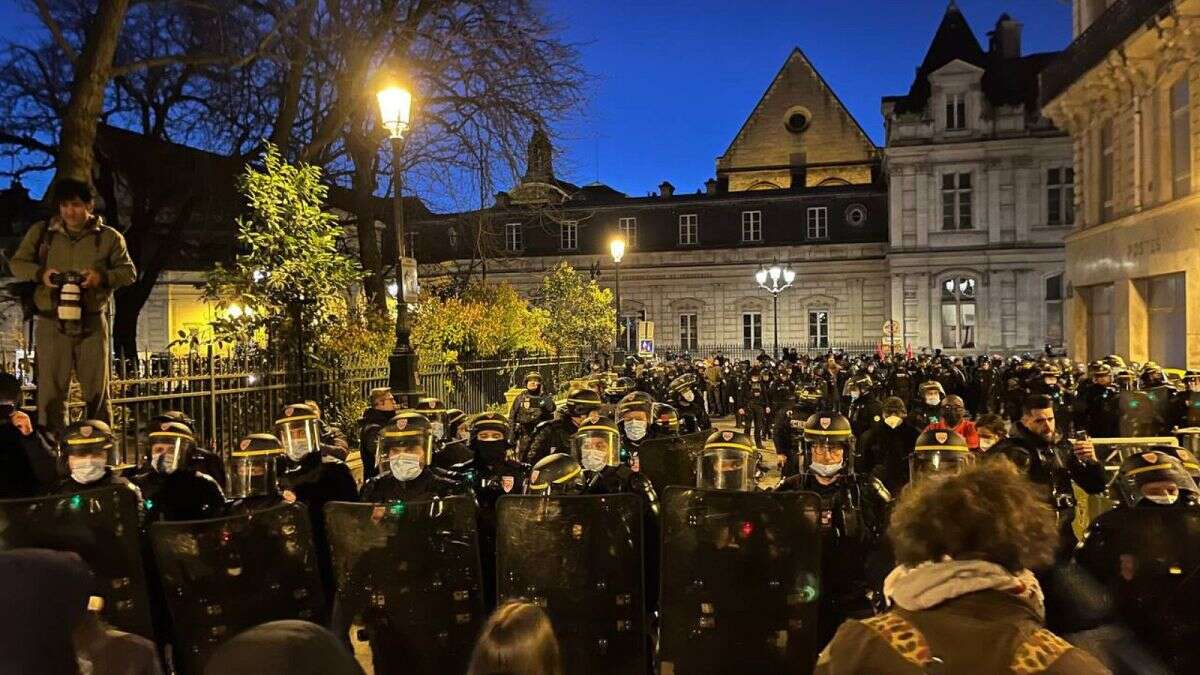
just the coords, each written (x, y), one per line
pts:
(56, 31)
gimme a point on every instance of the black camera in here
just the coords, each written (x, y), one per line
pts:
(70, 295)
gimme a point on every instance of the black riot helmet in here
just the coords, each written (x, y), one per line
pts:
(556, 474)
(171, 443)
(435, 411)
(1190, 464)
(87, 437)
(726, 462)
(299, 429)
(617, 390)
(928, 389)
(172, 416)
(1155, 477)
(597, 445)
(582, 402)
(1191, 380)
(455, 419)
(405, 445)
(860, 383)
(535, 378)
(666, 418)
(828, 432)
(489, 433)
(939, 451)
(682, 387)
(635, 415)
(252, 470)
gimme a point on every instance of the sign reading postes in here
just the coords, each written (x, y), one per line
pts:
(891, 328)
(645, 348)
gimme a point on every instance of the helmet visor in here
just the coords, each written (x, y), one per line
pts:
(725, 468)
(300, 436)
(1161, 482)
(253, 475)
(417, 443)
(596, 448)
(168, 452)
(925, 463)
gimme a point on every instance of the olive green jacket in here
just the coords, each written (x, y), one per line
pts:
(97, 246)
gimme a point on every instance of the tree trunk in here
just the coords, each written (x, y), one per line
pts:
(364, 154)
(78, 136)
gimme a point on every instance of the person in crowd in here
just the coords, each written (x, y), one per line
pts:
(963, 597)
(85, 448)
(928, 407)
(554, 436)
(530, 408)
(405, 454)
(288, 647)
(374, 418)
(884, 449)
(333, 440)
(253, 485)
(51, 623)
(171, 490)
(26, 467)
(862, 408)
(77, 262)
(692, 417)
(756, 407)
(992, 429)
(517, 639)
(199, 458)
(954, 417)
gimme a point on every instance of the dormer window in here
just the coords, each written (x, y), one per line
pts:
(956, 112)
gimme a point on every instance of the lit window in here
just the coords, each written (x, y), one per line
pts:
(751, 226)
(689, 332)
(512, 237)
(688, 230)
(628, 228)
(568, 235)
(818, 222)
(818, 328)
(956, 201)
(752, 330)
(958, 313)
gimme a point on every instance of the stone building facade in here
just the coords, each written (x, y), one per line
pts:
(1126, 89)
(980, 196)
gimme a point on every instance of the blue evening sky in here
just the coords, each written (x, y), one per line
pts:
(671, 81)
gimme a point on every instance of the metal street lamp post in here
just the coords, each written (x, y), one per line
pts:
(617, 248)
(395, 105)
(775, 280)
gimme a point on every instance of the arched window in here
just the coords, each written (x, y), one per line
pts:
(958, 312)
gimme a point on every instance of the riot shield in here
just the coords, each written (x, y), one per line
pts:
(1191, 412)
(1139, 415)
(225, 575)
(101, 526)
(740, 581)
(580, 558)
(1148, 559)
(410, 574)
(1162, 398)
(671, 460)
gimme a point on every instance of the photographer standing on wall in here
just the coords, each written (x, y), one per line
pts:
(76, 261)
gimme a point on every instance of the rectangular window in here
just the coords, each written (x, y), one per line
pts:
(818, 222)
(956, 112)
(568, 235)
(818, 329)
(512, 237)
(1181, 139)
(1060, 196)
(688, 230)
(629, 334)
(1099, 302)
(752, 330)
(629, 231)
(689, 332)
(410, 244)
(751, 226)
(956, 201)
(1054, 310)
(1166, 319)
(1105, 174)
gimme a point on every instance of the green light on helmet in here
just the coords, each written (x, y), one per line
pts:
(397, 509)
(76, 502)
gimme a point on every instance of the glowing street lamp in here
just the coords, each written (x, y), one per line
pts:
(617, 248)
(780, 279)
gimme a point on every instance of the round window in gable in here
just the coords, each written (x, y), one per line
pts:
(797, 119)
(856, 215)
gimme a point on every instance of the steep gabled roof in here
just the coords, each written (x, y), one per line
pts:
(954, 39)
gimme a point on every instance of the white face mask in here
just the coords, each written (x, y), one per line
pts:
(405, 467)
(893, 421)
(1165, 500)
(986, 443)
(854, 395)
(933, 400)
(435, 428)
(593, 460)
(635, 430)
(1194, 386)
(826, 470)
(296, 452)
(87, 470)
(688, 396)
(164, 462)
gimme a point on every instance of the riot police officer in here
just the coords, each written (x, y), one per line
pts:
(200, 459)
(495, 473)
(405, 454)
(554, 436)
(374, 418)
(597, 446)
(253, 485)
(757, 407)
(863, 409)
(85, 448)
(1094, 408)
(171, 490)
(692, 416)
(884, 449)
(727, 462)
(634, 419)
(556, 474)
(434, 410)
(939, 452)
(853, 518)
(529, 409)
(789, 436)
(927, 409)
(1048, 382)
(665, 419)
(1187, 401)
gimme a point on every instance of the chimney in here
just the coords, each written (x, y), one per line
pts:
(710, 186)
(503, 200)
(666, 189)
(1005, 40)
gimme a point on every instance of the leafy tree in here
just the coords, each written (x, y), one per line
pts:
(580, 311)
(291, 275)
(484, 321)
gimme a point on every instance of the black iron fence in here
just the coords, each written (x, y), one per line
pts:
(229, 397)
(740, 351)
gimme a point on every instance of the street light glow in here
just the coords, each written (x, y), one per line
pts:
(393, 288)
(775, 272)
(395, 105)
(234, 311)
(617, 248)
(761, 277)
(788, 277)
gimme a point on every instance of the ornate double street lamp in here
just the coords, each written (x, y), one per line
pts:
(775, 280)
(395, 106)
(617, 248)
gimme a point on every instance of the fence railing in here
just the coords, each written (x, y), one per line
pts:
(230, 397)
(739, 351)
